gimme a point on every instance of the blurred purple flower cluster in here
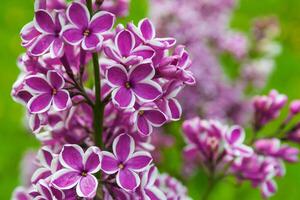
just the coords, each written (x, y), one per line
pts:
(204, 28)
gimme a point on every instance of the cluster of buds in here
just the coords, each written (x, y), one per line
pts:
(96, 136)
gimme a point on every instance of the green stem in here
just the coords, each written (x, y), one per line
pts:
(99, 106)
(209, 188)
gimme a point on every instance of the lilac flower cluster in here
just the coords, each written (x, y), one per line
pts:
(204, 27)
(96, 128)
(221, 150)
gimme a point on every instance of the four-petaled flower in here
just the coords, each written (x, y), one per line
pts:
(135, 83)
(50, 27)
(125, 50)
(125, 162)
(78, 170)
(86, 31)
(145, 117)
(146, 34)
(47, 92)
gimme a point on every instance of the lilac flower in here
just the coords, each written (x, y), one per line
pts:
(234, 138)
(126, 52)
(125, 162)
(145, 117)
(47, 92)
(43, 191)
(268, 107)
(148, 189)
(78, 170)
(168, 103)
(119, 7)
(146, 34)
(86, 31)
(45, 157)
(213, 142)
(273, 148)
(50, 27)
(137, 83)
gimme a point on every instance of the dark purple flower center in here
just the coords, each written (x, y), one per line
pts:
(86, 32)
(84, 173)
(212, 142)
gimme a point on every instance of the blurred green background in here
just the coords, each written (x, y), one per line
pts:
(15, 140)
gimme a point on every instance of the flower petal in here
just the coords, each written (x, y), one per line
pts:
(125, 42)
(71, 157)
(92, 42)
(78, 15)
(123, 97)
(87, 186)
(155, 194)
(139, 161)
(143, 126)
(56, 49)
(147, 91)
(41, 45)
(72, 34)
(147, 29)
(40, 174)
(236, 135)
(65, 179)
(55, 79)
(44, 22)
(141, 72)
(144, 51)
(40, 103)
(123, 147)
(102, 21)
(116, 75)
(155, 117)
(109, 163)
(128, 180)
(38, 83)
(92, 160)
(61, 100)
(45, 156)
(175, 109)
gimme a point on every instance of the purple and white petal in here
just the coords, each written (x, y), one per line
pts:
(44, 22)
(147, 91)
(175, 109)
(116, 76)
(139, 161)
(65, 179)
(147, 29)
(72, 34)
(92, 42)
(141, 72)
(127, 180)
(109, 163)
(41, 45)
(125, 42)
(87, 186)
(78, 15)
(55, 79)
(61, 100)
(155, 117)
(123, 97)
(123, 147)
(71, 157)
(102, 21)
(38, 83)
(40, 103)
(92, 160)
(143, 126)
